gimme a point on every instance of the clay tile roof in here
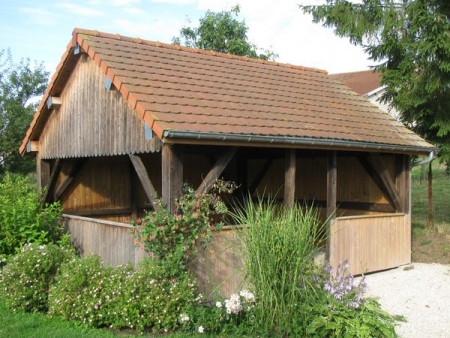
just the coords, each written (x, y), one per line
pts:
(189, 93)
(362, 82)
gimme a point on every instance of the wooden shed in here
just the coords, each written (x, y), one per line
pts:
(125, 119)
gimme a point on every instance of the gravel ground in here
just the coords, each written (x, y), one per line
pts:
(421, 293)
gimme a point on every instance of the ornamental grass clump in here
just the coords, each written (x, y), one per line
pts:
(278, 248)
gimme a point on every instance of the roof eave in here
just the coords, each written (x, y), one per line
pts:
(171, 136)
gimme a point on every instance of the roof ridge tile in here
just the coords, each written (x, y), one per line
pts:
(192, 50)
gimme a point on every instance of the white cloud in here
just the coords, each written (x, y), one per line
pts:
(39, 15)
(80, 10)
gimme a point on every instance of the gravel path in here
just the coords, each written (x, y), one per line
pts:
(421, 293)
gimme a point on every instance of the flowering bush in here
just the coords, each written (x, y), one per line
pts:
(229, 315)
(121, 297)
(28, 275)
(172, 239)
(341, 310)
(341, 286)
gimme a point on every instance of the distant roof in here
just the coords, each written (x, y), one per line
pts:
(362, 82)
(191, 95)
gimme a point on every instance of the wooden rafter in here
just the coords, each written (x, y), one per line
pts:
(216, 170)
(147, 184)
(69, 179)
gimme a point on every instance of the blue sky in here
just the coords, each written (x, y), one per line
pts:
(41, 29)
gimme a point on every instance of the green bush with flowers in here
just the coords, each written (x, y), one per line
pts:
(145, 298)
(172, 239)
(27, 277)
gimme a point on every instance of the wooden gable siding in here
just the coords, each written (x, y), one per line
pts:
(93, 121)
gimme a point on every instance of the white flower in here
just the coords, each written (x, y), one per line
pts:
(233, 305)
(184, 318)
(201, 329)
(218, 304)
(249, 297)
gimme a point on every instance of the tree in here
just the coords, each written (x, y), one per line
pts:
(222, 32)
(409, 41)
(18, 84)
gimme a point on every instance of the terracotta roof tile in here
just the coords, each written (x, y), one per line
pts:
(361, 82)
(194, 91)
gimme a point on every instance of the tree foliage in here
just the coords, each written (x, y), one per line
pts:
(222, 32)
(409, 42)
(18, 84)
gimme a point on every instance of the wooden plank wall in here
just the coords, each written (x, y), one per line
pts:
(104, 183)
(371, 243)
(219, 268)
(353, 183)
(93, 121)
(112, 241)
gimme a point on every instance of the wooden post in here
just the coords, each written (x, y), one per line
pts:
(290, 162)
(331, 197)
(172, 174)
(402, 179)
(430, 194)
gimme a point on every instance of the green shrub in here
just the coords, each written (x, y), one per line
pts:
(142, 299)
(341, 310)
(232, 316)
(22, 217)
(279, 245)
(173, 239)
(28, 275)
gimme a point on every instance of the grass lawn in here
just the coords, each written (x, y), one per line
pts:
(431, 241)
(19, 325)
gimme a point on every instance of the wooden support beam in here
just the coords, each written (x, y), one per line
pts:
(290, 166)
(383, 172)
(78, 165)
(98, 212)
(331, 198)
(52, 182)
(147, 184)
(132, 189)
(53, 102)
(216, 170)
(172, 174)
(32, 147)
(260, 175)
(402, 179)
(42, 173)
(364, 161)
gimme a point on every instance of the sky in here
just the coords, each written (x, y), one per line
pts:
(41, 29)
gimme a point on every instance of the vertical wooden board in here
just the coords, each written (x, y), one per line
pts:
(371, 243)
(219, 268)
